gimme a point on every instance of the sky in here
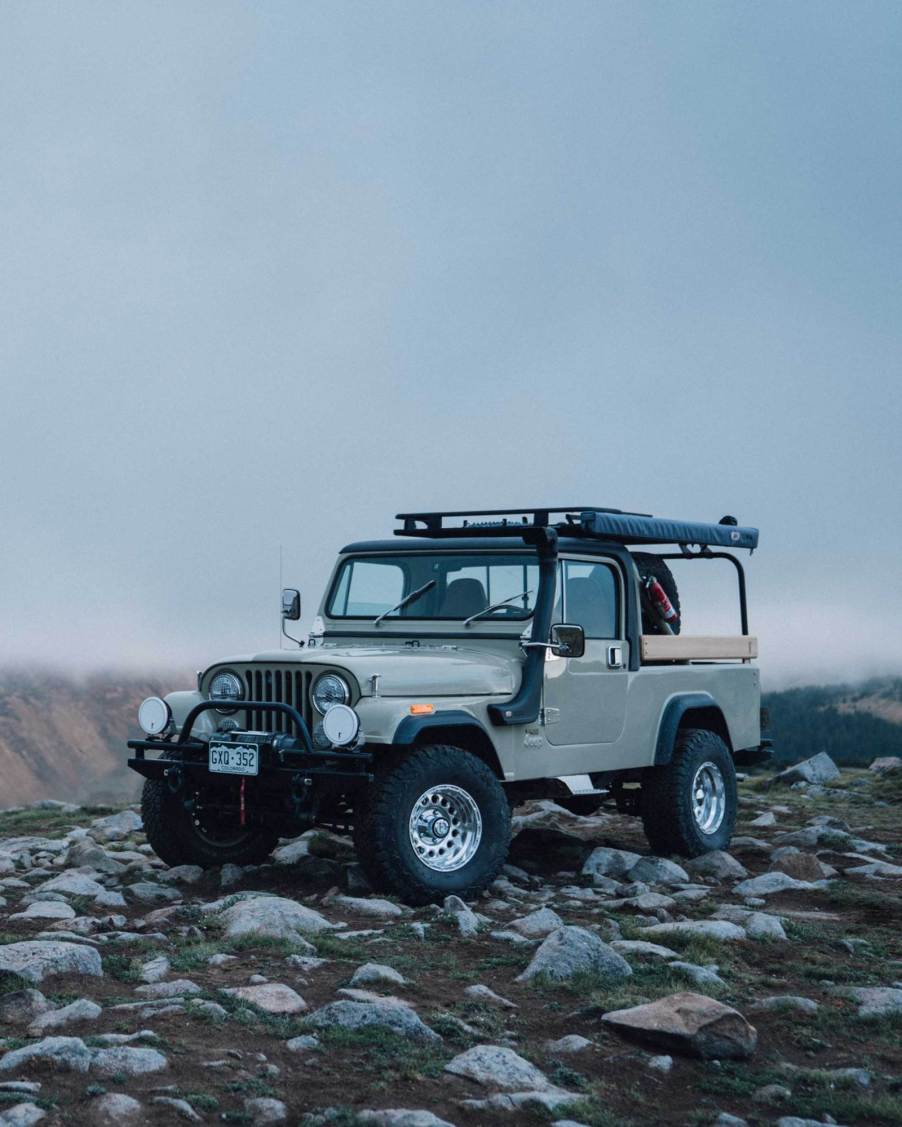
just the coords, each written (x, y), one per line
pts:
(272, 273)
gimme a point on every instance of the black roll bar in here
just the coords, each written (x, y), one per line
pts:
(707, 554)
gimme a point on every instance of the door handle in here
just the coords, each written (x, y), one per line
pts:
(615, 657)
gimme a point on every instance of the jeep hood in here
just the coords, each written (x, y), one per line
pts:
(427, 670)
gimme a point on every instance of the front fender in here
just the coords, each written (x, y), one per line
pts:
(181, 704)
(408, 731)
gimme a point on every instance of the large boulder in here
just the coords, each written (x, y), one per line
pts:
(34, 960)
(496, 1066)
(886, 765)
(574, 950)
(391, 1016)
(691, 1024)
(658, 870)
(537, 924)
(604, 862)
(819, 768)
(271, 997)
(718, 865)
(273, 916)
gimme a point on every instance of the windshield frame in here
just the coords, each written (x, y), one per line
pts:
(518, 622)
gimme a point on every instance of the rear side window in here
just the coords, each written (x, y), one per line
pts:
(591, 598)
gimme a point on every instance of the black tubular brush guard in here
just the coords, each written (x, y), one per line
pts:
(286, 756)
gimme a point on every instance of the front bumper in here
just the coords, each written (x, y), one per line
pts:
(292, 759)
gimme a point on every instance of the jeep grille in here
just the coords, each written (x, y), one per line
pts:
(285, 686)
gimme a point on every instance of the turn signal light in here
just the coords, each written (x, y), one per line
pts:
(421, 709)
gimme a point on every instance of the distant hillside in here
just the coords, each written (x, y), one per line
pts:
(853, 724)
(64, 737)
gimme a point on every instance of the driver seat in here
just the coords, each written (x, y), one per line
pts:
(463, 597)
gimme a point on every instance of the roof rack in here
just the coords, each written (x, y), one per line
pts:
(587, 521)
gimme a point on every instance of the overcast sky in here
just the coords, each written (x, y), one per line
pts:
(274, 272)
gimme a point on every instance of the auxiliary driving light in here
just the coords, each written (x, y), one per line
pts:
(341, 725)
(154, 716)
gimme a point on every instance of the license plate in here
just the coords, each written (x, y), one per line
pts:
(234, 759)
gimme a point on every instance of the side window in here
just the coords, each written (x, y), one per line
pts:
(590, 598)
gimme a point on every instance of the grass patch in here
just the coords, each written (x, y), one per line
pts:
(48, 823)
(391, 1057)
(595, 1112)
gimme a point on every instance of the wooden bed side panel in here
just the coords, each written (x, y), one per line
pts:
(698, 647)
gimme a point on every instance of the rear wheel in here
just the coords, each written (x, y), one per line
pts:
(436, 822)
(689, 805)
(197, 834)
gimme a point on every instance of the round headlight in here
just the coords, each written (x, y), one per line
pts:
(341, 725)
(226, 687)
(154, 716)
(329, 690)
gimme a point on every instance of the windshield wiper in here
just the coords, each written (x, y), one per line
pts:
(406, 601)
(496, 606)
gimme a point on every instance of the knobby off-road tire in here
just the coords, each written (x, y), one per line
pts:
(647, 563)
(436, 822)
(177, 838)
(689, 805)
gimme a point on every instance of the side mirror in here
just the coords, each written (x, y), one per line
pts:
(291, 604)
(568, 641)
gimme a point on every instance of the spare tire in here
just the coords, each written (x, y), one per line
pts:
(647, 565)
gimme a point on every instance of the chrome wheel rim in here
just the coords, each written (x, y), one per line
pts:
(709, 798)
(445, 828)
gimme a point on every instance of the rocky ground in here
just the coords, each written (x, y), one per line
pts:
(593, 985)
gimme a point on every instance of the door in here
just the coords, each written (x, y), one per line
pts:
(585, 697)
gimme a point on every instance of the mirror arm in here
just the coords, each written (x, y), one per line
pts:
(291, 638)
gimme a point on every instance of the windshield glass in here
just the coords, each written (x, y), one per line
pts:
(463, 585)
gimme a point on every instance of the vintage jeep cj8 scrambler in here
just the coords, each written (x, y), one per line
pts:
(452, 673)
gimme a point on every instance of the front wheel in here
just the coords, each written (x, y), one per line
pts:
(689, 805)
(437, 822)
(197, 834)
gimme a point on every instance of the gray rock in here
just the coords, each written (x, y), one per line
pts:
(768, 883)
(717, 864)
(795, 1121)
(68, 1054)
(122, 1060)
(886, 765)
(699, 975)
(786, 1002)
(819, 768)
(46, 910)
(370, 906)
(183, 874)
(512, 937)
(572, 1043)
(708, 929)
(154, 969)
(72, 883)
(272, 916)
(181, 1108)
(496, 1066)
(149, 892)
(174, 988)
(658, 870)
(377, 974)
(21, 1115)
(640, 948)
(306, 1043)
(482, 993)
(871, 869)
(761, 925)
(396, 1018)
(765, 819)
(727, 1120)
(466, 919)
(34, 960)
(80, 1010)
(537, 924)
(604, 862)
(115, 827)
(876, 1001)
(660, 1064)
(692, 1024)
(401, 1117)
(264, 1109)
(114, 1108)
(20, 1007)
(271, 997)
(548, 1099)
(572, 950)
